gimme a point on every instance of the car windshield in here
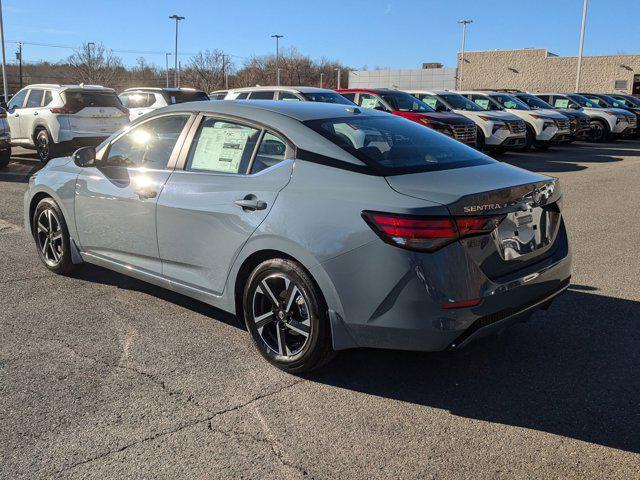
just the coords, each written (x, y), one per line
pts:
(629, 101)
(613, 102)
(391, 145)
(582, 101)
(534, 102)
(405, 103)
(507, 101)
(77, 100)
(327, 97)
(458, 102)
(183, 96)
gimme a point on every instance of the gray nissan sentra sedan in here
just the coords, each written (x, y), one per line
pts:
(324, 227)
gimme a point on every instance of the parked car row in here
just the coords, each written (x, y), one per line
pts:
(54, 119)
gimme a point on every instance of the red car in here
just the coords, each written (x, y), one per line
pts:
(402, 104)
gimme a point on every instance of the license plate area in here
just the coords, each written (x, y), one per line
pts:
(525, 232)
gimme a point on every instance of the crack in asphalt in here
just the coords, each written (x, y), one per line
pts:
(179, 428)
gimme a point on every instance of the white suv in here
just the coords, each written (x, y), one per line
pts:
(497, 130)
(55, 118)
(289, 94)
(143, 100)
(544, 127)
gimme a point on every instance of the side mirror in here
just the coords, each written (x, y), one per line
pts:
(85, 157)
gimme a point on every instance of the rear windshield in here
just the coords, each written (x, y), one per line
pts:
(79, 100)
(327, 97)
(182, 97)
(393, 145)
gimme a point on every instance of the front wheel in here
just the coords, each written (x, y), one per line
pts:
(599, 131)
(44, 146)
(286, 315)
(52, 236)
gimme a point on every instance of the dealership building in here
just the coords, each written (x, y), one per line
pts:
(530, 69)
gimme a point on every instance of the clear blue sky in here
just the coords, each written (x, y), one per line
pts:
(394, 34)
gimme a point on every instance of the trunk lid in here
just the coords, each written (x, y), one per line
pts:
(95, 111)
(526, 202)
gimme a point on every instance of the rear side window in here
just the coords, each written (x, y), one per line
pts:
(47, 98)
(271, 151)
(76, 101)
(35, 98)
(222, 147)
(287, 97)
(138, 100)
(349, 96)
(148, 145)
(186, 96)
(329, 97)
(392, 145)
(242, 96)
(268, 95)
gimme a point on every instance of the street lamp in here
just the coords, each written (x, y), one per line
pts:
(464, 39)
(277, 37)
(166, 66)
(5, 84)
(584, 21)
(338, 70)
(89, 45)
(321, 76)
(176, 82)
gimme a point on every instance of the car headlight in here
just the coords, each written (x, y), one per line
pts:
(498, 125)
(549, 124)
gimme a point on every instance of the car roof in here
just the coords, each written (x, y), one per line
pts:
(62, 87)
(482, 92)
(301, 89)
(431, 92)
(159, 89)
(301, 111)
(369, 90)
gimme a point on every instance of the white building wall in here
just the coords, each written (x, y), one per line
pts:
(426, 78)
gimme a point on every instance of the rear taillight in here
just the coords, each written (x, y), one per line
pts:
(65, 109)
(428, 234)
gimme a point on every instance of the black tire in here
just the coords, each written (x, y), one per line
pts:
(296, 353)
(56, 255)
(44, 146)
(481, 143)
(530, 138)
(599, 131)
(541, 146)
(5, 158)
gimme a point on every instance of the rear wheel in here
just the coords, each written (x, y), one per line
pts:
(52, 236)
(44, 146)
(5, 158)
(286, 315)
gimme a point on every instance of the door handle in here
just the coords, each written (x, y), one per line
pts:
(140, 113)
(16, 115)
(35, 113)
(251, 202)
(145, 193)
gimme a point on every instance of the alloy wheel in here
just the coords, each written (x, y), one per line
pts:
(49, 235)
(281, 315)
(597, 132)
(43, 146)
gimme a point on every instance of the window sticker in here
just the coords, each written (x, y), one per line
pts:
(482, 103)
(561, 103)
(432, 102)
(220, 148)
(369, 102)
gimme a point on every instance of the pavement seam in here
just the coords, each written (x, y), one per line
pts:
(179, 428)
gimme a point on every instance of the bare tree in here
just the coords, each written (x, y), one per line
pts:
(93, 63)
(206, 70)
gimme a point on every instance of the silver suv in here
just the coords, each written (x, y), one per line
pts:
(143, 100)
(54, 118)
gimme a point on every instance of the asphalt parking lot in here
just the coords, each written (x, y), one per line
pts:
(103, 376)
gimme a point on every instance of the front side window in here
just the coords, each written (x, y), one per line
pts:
(271, 151)
(533, 101)
(366, 100)
(35, 98)
(483, 102)
(433, 101)
(330, 97)
(393, 146)
(148, 145)
(262, 95)
(222, 147)
(288, 97)
(17, 101)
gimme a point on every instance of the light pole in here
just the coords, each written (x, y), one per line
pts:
(277, 37)
(4, 60)
(89, 45)
(321, 76)
(166, 66)
(339, 72)
(224, 72)
(464, 39)
(19, 58)
(176, 81)
(584, 21)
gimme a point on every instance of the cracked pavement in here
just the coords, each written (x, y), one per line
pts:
(103, 376)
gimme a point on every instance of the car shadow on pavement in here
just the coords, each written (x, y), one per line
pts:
(570, 158)
(20, 168)
(103, 276)
(572, 371)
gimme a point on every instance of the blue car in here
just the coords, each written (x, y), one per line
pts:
(323, 226)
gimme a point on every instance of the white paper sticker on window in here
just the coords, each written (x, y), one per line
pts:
(561, 103)
(220, 149)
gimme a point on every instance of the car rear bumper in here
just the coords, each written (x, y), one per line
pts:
(396, 300)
